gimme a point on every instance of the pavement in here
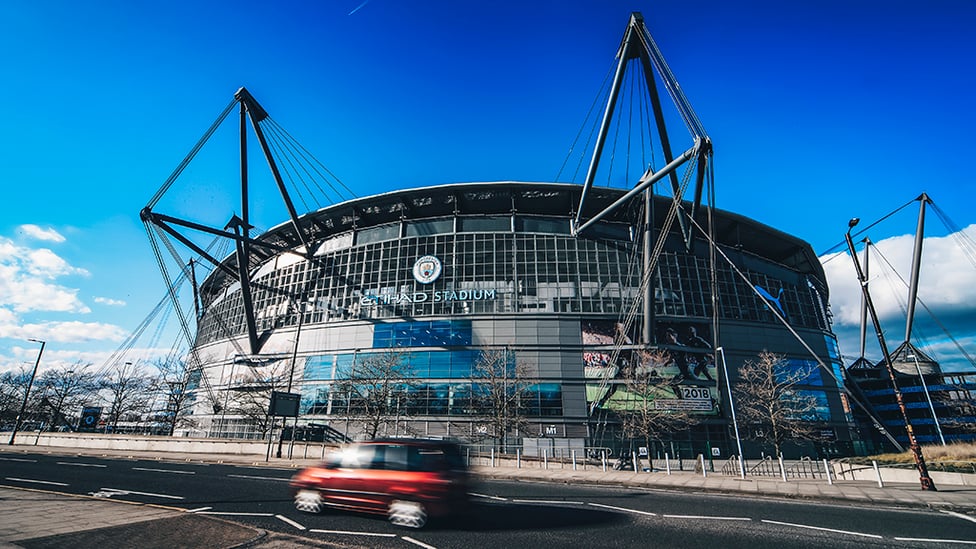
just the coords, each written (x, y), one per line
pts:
(32, 519)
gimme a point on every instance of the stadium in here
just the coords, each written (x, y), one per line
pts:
(504, 272)
(509, 312)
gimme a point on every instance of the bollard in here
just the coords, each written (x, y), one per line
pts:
(574, 459)
(545, 457)
(782, 469)
(830, 481)
(878, 472)
(518, 458)
(667, 463)
(633, 460)
(701, 459)
(492, 457)
(603, 453)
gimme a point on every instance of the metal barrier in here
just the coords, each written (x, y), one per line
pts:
(804, 468)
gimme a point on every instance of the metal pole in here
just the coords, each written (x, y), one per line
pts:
(924, 478)
(735, 423)
(928, 398)
(30, 383)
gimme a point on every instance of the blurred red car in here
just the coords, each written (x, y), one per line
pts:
(408, 480)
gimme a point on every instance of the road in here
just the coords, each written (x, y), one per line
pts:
(516, 514)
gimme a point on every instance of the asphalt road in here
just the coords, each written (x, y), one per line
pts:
(507, 514)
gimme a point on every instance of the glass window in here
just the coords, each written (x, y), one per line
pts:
(549, 225)
(440, 364)
(809, 369)
(378, 234)
(429, 227)
(485, 224)
(318, 367)
(344, 364)
(461, 363)
(611, 231)
(820, 410)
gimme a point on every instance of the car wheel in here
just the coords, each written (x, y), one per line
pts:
(308, 501)
(409, 514)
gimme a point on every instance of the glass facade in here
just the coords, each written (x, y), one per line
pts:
(501, 273)
(514, 277)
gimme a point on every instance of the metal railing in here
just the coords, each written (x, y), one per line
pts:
(803, 468)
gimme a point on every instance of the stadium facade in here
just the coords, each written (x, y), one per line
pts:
(442, 274)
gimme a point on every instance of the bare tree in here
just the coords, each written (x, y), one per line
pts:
(252, 394)
(650, 407)
(498, 390)
(12, 387)
(377, 389)
(129, 393)
(767, 398)
(64, 389)
(171, 383)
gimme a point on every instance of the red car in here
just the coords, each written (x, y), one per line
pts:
(408, 480)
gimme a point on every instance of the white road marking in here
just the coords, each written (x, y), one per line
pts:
(236, 514)
(823, 529)
(964, 542)
(420, 543)
(164, 471)
(496, 498)
(623, 509)
(81, 464)
(289, 521)
(259, 478)
(347, 533)
(960, 515)
(548, 502)
(36, 481)
(198, 509)
(703, 517)
(18, 459)
(116, 491)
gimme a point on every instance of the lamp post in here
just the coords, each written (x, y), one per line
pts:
(23, 407)
(735, 423)
(923, 471)
(928, 398)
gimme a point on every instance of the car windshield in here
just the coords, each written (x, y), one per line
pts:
(397, 457)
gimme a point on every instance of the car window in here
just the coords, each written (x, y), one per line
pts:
(426, 459)
(395, 457)
(352, 457)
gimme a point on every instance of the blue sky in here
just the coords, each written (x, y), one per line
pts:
(819, 111)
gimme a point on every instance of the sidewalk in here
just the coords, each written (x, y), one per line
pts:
(37, 519)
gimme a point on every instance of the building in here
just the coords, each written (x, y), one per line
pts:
(941, 406)
(442, 274)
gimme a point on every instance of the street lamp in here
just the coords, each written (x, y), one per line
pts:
(928, 397)
(923, 471)
(735, 423)
(23, 407)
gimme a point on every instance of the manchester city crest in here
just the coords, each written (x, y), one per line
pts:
(427, 269)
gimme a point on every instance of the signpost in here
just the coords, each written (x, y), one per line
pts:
(281, 405)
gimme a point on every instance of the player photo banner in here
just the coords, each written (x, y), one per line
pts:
(680, 368)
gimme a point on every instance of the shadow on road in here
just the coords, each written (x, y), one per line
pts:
(488, 517)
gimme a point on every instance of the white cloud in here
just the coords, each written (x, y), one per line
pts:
(26, 280)
(947, 278)
(64, 332)
(110, 301)
(23, 357)
(39, 233)
(947, 288)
